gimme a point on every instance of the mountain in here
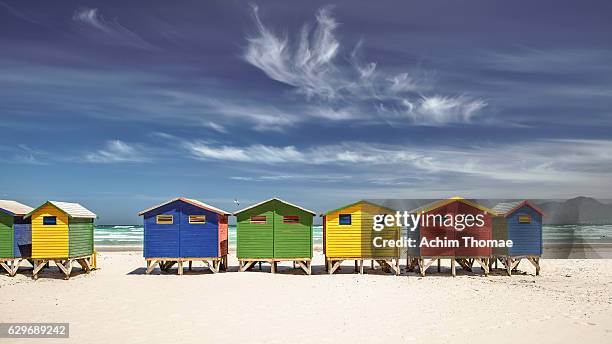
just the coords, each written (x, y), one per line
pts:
(580, 210)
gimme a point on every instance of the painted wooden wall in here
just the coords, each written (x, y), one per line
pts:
(6, 235)
(49, 241)
(255, 240)
(162, 240)
(292, 240)
(182, 239)
(198, 240)
(274, 239)
(80, 237)
(526, 237)
(223, 235)
(479, 233)
(355, 240)
(23, 237)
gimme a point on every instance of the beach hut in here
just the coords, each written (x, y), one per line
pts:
(274, 231)
(520, 222)
(62, 232)
(348, 235)
(15, 235)
(185, 230)
(440, 235)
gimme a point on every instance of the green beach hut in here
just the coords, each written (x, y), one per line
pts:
(273, 231)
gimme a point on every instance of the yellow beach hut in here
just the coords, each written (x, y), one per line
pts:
(348, 234)
(62, 232)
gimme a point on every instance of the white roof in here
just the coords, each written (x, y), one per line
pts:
(15, 207)
(274, 199)
(190, 201)
(74, 210)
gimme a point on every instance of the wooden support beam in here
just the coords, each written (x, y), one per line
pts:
(439, 263)
(483, 265)
(421, 269)
(535, 261)
(335, 266)
(273, 267)
(356, 265)
(190, 265)
(39, 264)
(151, 265)
(361, 267)
(180, 267)
(453, 270)
(6, 267)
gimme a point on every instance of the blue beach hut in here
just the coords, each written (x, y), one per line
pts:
(520, 222)
(185, 230)
(15, 235)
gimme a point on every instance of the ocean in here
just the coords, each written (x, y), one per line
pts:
(132, 235)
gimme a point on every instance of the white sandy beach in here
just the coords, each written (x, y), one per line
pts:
(571, 300)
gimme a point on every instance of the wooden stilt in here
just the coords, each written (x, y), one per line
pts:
(453, 271)
(421, 267)
(356, 265)
(439, 263)
(190, 265)
(273, 267)
(335, 266)
(361, 267)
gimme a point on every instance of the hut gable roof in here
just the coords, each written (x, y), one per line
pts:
(14, 207)
(507, 208)
(274, 199)
(73, 210)
(356, 203)
(440, 203)
(191, 201)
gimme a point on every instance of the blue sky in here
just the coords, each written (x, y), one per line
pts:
(122, 105)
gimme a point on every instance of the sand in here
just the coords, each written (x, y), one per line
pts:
(570, 301)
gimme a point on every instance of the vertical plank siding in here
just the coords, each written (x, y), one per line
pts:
(80, 237)
(6, 235)
(50, 241)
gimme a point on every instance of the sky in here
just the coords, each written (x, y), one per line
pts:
(121, 105)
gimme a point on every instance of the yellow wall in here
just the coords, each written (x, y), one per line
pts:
(355, 240)
(49, 241)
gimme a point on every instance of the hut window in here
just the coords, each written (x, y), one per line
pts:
(197, 219)
(165, 219)
(49, 220)
(524, 219)
(291, 219)
(259, 220)
(345, 219)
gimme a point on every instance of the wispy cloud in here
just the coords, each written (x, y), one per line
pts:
(92, 18)
(310, 64)
(216, 127)
(117, 151)
(531, 162)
